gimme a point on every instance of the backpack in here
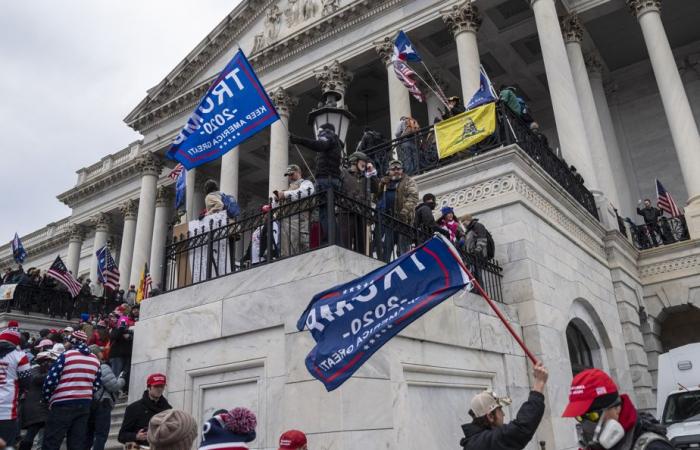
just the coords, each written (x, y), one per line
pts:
(230, 205)
(490, 246)
(411, 126)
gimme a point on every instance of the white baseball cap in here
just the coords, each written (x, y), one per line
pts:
(486, 402)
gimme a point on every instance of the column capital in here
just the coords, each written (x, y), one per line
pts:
(101, 221)
(129, 209)
(164, 195)
(571, 28)
(593, 63)
(463, 17)
(76, 233)
(150, 164)
(639, 7)
(283, 101)
(385, 49)
(333, 77)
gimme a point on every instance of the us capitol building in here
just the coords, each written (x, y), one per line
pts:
(615, 87)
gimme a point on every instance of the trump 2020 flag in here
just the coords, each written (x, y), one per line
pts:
(351, 321)
(234, 108)
(18, 252)
(485, 94)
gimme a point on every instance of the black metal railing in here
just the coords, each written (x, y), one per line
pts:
(37, 300)
(221, 247)
(418, 152)
(665, 231)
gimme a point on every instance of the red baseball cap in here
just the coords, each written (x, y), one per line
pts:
(586, 387)
(156, 379)
(292, 440)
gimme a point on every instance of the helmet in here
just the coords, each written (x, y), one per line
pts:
(357, 156)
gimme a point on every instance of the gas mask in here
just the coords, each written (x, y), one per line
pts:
(599, 434)
(325, 134)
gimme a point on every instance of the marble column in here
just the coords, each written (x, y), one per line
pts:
(617, 166)
(102, 222)
(573, 35)
(399, 97)
(164, 203)
(334, 77)
(190, 195)
(562, 91)
(684, 130)
(129, 209)
(228, 182)
(279, 140)
(150, 166)
(75, 245)
(464, 22)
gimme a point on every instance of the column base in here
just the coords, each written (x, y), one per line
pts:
(692, 217)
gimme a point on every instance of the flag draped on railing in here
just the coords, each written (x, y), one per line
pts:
(235, 108)
(351, 321)
(59, 272)
(18, 252)
(665, 201)
(107, 270)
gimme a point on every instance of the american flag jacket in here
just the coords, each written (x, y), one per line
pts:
(73, 378)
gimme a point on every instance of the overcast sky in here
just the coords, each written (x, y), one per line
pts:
(70, 71)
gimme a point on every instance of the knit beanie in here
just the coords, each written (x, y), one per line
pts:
(172, 429)
(235, 426)
(11, 335)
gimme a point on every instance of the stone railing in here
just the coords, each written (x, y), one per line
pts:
(107, 163)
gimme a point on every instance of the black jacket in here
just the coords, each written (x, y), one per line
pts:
(32, 409)
(122, 341)
(648, 423)
(137, 416)
(512, 436)
(650, 214)
(328, 149)
(425, 221)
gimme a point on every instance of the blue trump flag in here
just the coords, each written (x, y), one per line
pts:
(18, 252)
(234, 109)
(485, 94)
(351, 321)
(180, 188)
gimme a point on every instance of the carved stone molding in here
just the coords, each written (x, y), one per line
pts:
(76, 233)
(283, 101)
(129, 209)
(150, 164)
(101, 222)
(333, 77)
(672, 265)
(463, 17)
(509, 184)
(639, 7)
(164, 196)
(385, 49)
(571, 28)
(96, 185)
(593, 63)
(329, 7)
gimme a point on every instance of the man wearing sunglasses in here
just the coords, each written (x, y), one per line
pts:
(607, 420)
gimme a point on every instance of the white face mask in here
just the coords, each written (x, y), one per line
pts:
(611, 434)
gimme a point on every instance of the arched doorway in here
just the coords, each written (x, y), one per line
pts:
(580, 353)
(679, 326)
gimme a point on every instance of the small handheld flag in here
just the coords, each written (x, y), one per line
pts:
(234, 108)
(18, 252)
(107, 270)
(665, 201)
(59, 272)
(403, 48)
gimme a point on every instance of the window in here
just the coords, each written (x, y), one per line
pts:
(579, 350)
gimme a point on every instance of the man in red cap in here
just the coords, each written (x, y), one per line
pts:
(608, 420)
(138, 414)
(293, 440)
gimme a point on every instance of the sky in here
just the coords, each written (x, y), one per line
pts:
(70, 71)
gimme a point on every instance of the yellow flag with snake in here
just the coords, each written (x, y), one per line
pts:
(465, 129)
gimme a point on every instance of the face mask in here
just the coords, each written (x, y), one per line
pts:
(611, 434)
(599, 434)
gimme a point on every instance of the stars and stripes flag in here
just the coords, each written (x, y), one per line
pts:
(18, 252)
(177, 170)
(145, 285)
(405, 75)
(665, 202)
(59, 272)
(107, 270)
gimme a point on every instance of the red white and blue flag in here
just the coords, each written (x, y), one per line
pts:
(177, 170)
(665, 201)
(59, 272)
(107, 270)
(351, 321)
(403, 48)
(18, 251)
(406, 76)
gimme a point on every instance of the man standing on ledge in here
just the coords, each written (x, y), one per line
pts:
(488, 430)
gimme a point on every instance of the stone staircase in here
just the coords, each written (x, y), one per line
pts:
(117, 418)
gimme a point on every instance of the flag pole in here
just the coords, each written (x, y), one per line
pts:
(437, 85)
(431, 88)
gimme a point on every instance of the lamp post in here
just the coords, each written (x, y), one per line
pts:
(332, 111)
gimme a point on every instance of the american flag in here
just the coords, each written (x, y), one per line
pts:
(59, 272)
(107, 270)
(177, 170)
(665, 202)
(405, 75)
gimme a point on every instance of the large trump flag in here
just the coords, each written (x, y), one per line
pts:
(351, 321)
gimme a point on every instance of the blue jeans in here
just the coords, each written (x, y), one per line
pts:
(323, 184)
(98, 425)
(69, 421)
(117, 364)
